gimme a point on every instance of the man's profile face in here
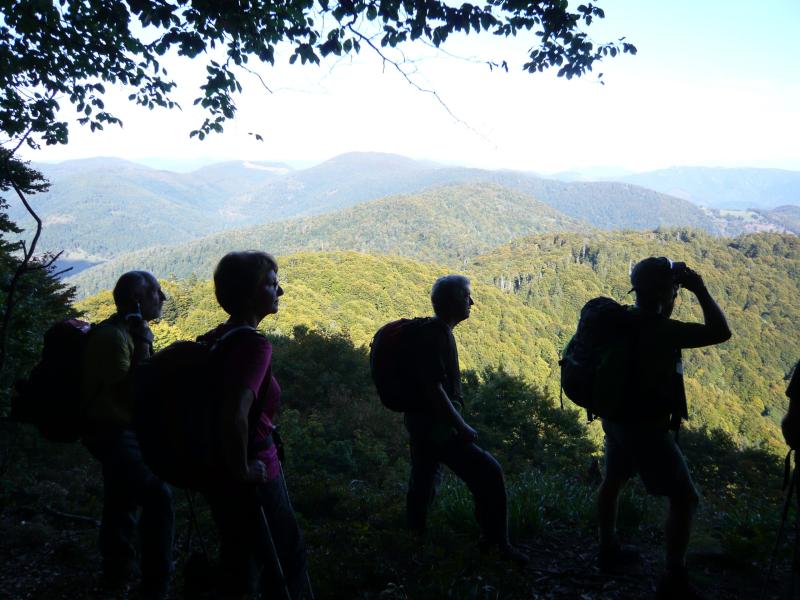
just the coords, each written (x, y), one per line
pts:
(462, 302)
(151, 300)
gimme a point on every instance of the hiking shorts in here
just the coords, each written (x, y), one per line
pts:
(653, 453)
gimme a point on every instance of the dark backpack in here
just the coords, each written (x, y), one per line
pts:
(50, 398)
(393, 357)
(597, 364)
(177, 412)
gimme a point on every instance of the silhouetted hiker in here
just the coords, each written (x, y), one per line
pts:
(791, 422)
(114, 348)
(641, 442)
(438, 434)
(246, 286)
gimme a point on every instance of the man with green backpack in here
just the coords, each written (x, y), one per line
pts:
(650, 403)
(114, 349)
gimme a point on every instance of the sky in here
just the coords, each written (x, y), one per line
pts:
(714, 83)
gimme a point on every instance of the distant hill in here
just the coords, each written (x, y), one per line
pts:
(104, 207)
(784, 216)
(449, 225)
(357, 177)
(724, 188)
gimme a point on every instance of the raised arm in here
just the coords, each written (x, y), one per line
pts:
(714, 329)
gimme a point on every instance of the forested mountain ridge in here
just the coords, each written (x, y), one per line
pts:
(103, 207)
(528, 295)
(357, 177)
(784, 216)
(449, 225)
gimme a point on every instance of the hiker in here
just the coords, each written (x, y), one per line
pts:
(438, 434)
(791, 422)
(113, 350)
(247, 288)
(642, 442)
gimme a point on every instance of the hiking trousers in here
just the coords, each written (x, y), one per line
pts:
(128, 483)
(474, 466)
(246, 558)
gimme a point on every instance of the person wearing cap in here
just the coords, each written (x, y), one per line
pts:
(642, 443)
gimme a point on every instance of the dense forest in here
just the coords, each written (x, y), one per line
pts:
(449, 225)
(528, 296)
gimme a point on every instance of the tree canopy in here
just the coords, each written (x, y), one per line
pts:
(70, 50)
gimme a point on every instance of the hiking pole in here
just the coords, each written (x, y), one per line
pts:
(275, 558)
(790, 482)
(193, 522)
(310, 591)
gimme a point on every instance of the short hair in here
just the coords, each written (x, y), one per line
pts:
(444, 291)
(237, 276)
(128, 284)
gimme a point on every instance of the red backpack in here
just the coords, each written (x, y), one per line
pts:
(393, 362)
(50, 398)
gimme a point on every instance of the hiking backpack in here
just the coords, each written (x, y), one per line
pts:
(177, 412)
(393, 358)
(50, 398)
(597, 363)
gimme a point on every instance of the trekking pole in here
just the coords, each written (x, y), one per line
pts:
(790, 482)
(275, 558)
(310, 591)
(194, 524)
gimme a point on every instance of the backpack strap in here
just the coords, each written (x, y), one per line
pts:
(230, 333)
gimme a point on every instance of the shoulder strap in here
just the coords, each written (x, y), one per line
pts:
(229, 334)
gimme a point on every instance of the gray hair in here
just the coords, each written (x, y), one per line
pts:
(444, 291)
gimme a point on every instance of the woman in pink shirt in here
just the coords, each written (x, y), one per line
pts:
(252, 510)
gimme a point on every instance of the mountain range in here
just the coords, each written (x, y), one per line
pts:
(104, 207)
(449, 224)
(739, 188)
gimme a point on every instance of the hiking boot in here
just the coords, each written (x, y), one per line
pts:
(617, 558)
(676, 586)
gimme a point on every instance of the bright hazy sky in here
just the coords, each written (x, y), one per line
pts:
(715, 83)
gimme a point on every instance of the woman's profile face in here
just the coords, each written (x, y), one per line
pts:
(267, 294)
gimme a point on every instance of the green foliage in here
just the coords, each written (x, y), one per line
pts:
(451, 224)
(72, 49)
(529, 294)
(754, 278)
